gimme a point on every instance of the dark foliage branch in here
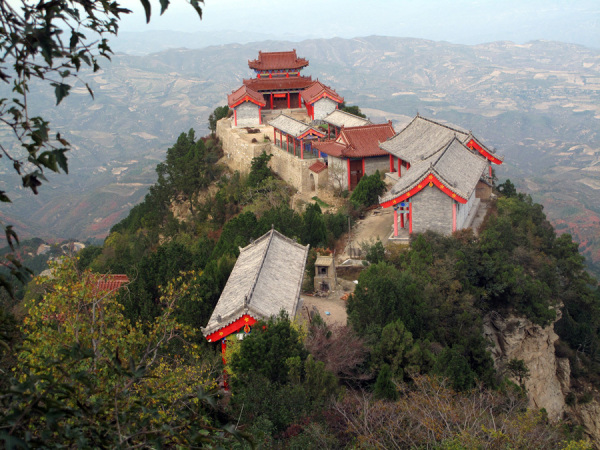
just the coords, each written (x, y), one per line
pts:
(51, 41)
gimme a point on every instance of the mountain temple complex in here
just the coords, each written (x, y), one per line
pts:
(438, 173)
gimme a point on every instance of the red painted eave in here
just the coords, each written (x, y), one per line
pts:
(431, 178)
(221, 333)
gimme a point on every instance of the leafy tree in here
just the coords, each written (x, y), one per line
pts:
(267, 348)
(384, 295)
(352, 110)
(87, 376)
(219, 113)
(368, 190)
(314, 232)
(507, 189)
(259, 170)
(518, 369)
(376, 252)
(384, 386)
(188, 168)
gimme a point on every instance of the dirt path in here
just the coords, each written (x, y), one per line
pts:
(332, 304)
(377, 224)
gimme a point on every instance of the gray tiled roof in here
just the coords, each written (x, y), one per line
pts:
(421, 138)
(340, 118)
(290, 125)
(455, 166)
(266, 278)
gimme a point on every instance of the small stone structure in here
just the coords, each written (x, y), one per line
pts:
(325, 276)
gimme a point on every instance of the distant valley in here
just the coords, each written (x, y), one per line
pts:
(538, 104)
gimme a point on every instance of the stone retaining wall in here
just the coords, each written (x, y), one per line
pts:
(239, 153)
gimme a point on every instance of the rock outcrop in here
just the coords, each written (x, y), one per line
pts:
(515, 337)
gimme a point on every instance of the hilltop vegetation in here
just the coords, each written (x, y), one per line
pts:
(412, 350)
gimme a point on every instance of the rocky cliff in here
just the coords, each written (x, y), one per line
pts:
(515, 337)
(549, 380)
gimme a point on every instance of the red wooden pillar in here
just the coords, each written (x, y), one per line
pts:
(363, 167)
(490, 170)
(391, 163)
(402, 217)
(271, 100)
(235, 117)
(410, 218)
(349, 185)
(399, 167)
(302, 149)
(223, 349)
(453, 216)
(395, 222)
(274, 136)
(260, 115)
(288, 99)
(281, 139)
(299, 100)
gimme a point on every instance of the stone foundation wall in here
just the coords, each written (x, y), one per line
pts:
(239, 153)
(483, 190)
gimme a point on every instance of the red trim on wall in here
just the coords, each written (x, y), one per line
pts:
(428, 179)
(231, 328)
(453, 217)
(474, 145)
(348, 160)
(246, 99)
(235, 117)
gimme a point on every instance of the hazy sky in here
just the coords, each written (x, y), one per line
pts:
(459, 21)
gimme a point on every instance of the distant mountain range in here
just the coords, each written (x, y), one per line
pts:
(536, 103)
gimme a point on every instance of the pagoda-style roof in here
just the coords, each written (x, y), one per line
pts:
(103, 284)
(266, 279)
(317, 91)
(278, 84)
(423, 137)
(357, 142)
(339, 118)
(455, 170)
(294, 127)
(277, 61)
(318, 167)
(245, 94)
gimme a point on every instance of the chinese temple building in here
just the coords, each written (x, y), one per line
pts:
(438, 190)
(338, 119)
(103, 284)
(320, 100)
(247, 105)
(266, 279)
(423, 137)
(294, 136)
(356, 152)
(279, 85)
